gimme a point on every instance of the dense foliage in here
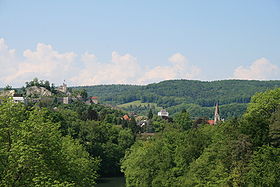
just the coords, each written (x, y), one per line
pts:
(195, 96)
(60, 145)
(39, 83)
(238, 152)
(34, 153)
(101, 130)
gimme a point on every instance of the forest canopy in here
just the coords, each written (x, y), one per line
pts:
(197, 97)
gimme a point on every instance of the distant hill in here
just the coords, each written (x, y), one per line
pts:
(197, 97)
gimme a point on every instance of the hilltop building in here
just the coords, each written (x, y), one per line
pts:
(62, 88)
(39, 93)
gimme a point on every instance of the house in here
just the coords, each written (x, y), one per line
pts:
(94, 100)
(163, 113)
(211, 122)
(19, 99)
(145, 126)
(142, 123)
(126, 117)
(91, 100)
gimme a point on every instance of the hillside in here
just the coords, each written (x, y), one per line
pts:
(198, 97)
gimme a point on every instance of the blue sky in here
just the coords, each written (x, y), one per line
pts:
(138, 42)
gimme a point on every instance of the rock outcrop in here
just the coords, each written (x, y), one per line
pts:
(37, 91)
(7, 93)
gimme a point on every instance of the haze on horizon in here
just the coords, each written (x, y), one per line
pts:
(138, 42)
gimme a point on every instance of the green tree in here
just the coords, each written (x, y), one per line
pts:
(264, 104)
(34, 153)
(224, 161)
(274, 129)
(256, 120)
(133, 125)
(150, 114)
(108, 142)
(183, 121)
(8, 87)
(265, 167)
(125, 138)
(163, 160)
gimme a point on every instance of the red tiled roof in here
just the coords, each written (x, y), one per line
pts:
(210, 122)
(126, 117)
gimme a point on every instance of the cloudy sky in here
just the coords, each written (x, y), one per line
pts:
(138, 42)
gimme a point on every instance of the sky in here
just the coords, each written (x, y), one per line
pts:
(91, 42)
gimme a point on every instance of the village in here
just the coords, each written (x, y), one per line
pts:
(36, 93)
(42, 94)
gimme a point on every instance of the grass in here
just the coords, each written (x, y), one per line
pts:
(139, 103)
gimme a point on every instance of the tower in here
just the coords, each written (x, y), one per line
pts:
(217, 114)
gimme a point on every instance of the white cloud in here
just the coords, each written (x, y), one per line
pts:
(261, 69)
(121, 70)
(8, 60)
(46, 63)
(179, 68)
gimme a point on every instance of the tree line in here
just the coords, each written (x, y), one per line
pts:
(172, 94)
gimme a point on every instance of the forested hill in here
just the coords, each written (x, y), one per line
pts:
(196, 96)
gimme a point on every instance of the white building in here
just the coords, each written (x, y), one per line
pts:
(66, 100)
(163, 113)
(19, 99)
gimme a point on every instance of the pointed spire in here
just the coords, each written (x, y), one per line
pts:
(217, 114)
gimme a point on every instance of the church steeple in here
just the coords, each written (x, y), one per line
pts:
(217, 114)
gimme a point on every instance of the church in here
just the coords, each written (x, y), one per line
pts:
(217, 117)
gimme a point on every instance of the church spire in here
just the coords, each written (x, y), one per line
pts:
(217, 114)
